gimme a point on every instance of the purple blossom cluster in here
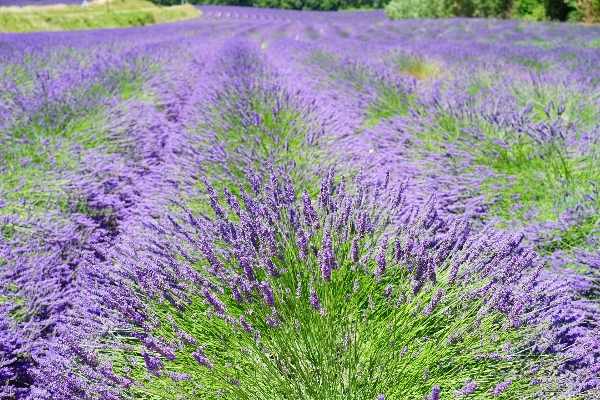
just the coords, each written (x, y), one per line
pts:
(162, 186)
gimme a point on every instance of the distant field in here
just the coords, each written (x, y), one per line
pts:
(22, 3)
(98, 14)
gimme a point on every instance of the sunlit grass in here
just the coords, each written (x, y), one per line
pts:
(99, 14)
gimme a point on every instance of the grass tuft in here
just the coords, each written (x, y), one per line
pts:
(418, 67)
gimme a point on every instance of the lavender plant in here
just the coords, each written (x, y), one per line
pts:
(352, 295)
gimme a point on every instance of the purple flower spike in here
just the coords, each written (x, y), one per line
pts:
(309, 212)
(248, 270)
(213, 198)
(290, 192)
(271, 268)
(433, 303)
(201, 358)
(326, 189)
(232, 201)
(267, 241)
(267, 292)
(254, 180)
(380, 257)
(453, 273)
(219, 307)
(153, 363)
(342, 187)
(327, 258)
(500, 388)
(388, 290)
(178, 376)
(237, 295)
(387, 179)
(435, 393)
(314, 300)
(355, 250)
(325, 270)
(469, 388)
(302, 244)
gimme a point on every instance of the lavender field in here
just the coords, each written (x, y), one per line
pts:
(266, 204)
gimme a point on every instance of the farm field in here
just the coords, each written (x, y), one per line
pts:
(267, 204)
(22, 16)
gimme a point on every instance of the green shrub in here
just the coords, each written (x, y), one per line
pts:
(578, 10)
(584, 10)
(479, 8)
(535, 10)
(404, 9)
(323, 5)
(447, 8)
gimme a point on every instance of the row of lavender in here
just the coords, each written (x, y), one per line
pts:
(172, 227)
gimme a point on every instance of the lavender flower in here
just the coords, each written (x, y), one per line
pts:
(267, 292)
(248, 270)
(201, 358)
(327, 258)
(430, 307)
(314, 300)
(500, 388)
(380, 257)
(231, 201)
(214, 200)
(178, 376)
(469, 388)
(355, 250)
(219, 307)
(302, 244)
(388, 290)
(246, 325)
(308, 211)
(153, 363)
(254, 180)
(435, 393)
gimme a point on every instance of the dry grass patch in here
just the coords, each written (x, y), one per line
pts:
(418, 67)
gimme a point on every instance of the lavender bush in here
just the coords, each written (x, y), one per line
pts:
(353, 295)
(279, 204)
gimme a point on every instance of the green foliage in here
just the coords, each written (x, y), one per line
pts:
(480, 8)
(584, 10)
(446, 8)
(404, 9)
(529, 10)
(324, 5)
(537, 10)
(120, 13)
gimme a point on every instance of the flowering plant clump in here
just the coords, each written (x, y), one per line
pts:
(351, 295)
